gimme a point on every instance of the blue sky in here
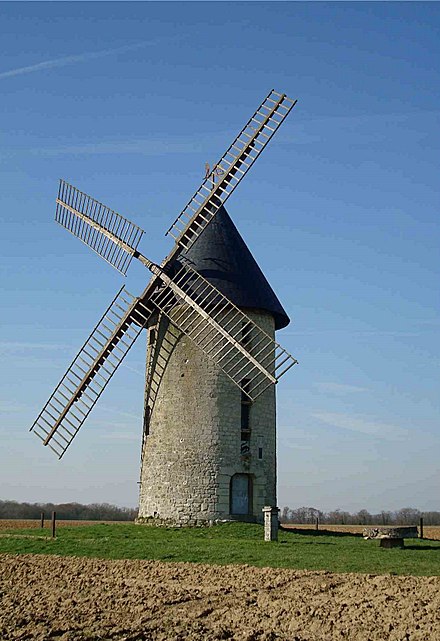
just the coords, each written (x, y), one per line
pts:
(128, 101)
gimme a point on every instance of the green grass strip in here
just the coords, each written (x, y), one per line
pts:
(229, 543)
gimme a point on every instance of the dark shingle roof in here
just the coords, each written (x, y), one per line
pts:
(221, 256)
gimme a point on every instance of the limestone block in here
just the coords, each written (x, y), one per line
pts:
(271, 523)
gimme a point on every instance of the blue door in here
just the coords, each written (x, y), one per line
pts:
(240, 500)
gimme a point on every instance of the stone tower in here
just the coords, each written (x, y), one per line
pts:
(208, 453)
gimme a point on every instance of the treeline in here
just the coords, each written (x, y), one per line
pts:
(67, 511)
(404, 516)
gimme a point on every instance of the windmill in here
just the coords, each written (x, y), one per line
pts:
(210, 365)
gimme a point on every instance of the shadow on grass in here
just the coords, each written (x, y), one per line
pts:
(422, 547)
(320, 532)
(318, 543)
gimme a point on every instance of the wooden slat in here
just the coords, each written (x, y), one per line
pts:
(215, 325)
(106, 232)
(241, 153)
(53, 421)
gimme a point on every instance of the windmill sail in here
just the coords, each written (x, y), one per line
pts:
(116, 239)
(210, 319)
(231, 168)
(244, 351)
(85, 380)
(109, 234)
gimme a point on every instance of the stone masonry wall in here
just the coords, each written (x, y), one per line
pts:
(193, 446)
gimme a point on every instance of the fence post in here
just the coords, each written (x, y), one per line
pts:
(54, 518)
(421, 528)
(317, 524)
(42, 520)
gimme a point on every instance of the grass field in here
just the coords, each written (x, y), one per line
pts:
(228, 543)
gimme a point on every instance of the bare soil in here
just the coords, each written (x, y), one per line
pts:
(77, 599)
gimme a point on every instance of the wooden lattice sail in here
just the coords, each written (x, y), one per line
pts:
(190, 302)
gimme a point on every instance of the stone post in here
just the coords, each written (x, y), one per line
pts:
(270, 523)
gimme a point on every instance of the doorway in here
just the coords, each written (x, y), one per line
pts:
(241, 494)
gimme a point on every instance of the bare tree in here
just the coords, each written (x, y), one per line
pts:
(408, 516)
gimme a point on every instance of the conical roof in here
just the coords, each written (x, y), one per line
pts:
(221, 256)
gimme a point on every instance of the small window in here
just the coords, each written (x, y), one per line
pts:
(146, 426)
(246, 334)
(245, 413)
(260, 453)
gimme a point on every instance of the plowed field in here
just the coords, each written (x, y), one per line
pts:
(77, 599)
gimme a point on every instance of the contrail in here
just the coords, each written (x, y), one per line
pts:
(68, 60)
